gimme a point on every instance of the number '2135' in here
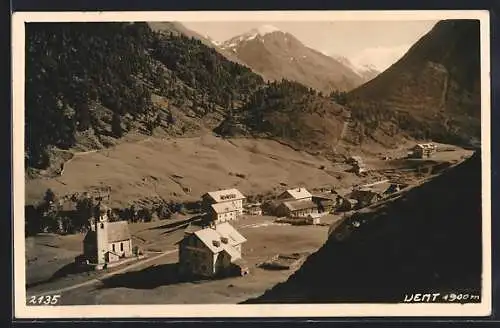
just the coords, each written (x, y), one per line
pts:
(44, 300)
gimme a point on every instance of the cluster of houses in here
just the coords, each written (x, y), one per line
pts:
(216, 249)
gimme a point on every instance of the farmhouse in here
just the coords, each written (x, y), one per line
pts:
(346, 204)
(107, 242)
(424, 150)
(222, 212)
(325, 203)
(253, 209)
(365, 197)
(313, 218)
(212, 251)
(233, 198)
(296, 194)
(297, 208)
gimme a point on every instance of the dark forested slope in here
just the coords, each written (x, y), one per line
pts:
(89, 83)
(290, 112)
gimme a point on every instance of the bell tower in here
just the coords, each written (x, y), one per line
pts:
(101, 228)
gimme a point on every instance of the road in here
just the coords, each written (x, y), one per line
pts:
(106, 276)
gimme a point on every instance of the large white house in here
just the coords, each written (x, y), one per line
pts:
(223, 205)
(212, 251)
(296, 194)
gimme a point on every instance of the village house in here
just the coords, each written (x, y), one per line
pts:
(313, 218)
(232, 198)
(296, 208)
(212, 251)
(253, 209)
(365, 197)
(423, 150)
(296, 194)
(346, 204)
(223, 212)
(106, 242)
(326, 202)
(393, 188)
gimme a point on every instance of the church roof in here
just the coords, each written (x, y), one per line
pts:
(117, 231)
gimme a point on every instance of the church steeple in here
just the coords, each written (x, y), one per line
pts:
(102, 233)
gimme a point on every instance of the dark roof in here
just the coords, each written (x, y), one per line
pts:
(327, 202)
(117, 231)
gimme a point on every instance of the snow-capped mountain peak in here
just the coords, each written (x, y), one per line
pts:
(265, 29)
(250, 35)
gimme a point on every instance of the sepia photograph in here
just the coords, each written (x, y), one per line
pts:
(187, 164)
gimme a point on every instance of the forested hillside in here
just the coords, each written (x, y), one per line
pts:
(89, 83)
(434, 90)
(290, 112)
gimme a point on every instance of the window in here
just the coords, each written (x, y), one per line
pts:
(121, 247)
(113, 247)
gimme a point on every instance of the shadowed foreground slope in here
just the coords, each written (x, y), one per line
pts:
(429, 240)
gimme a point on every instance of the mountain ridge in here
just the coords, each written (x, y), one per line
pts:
(436, 84)
(277, 55)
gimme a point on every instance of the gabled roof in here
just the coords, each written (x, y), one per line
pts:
(296, 205)
(212, 237)
(298, 193)
(225, 195)
(118, 231)
(227, 230)
(224, 207)
(233, 253)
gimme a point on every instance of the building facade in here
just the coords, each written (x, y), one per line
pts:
(212, 251)
(223, 212)
(424, 150)
(232, 198)
(254, 209)
(297, 208)
(365, 197)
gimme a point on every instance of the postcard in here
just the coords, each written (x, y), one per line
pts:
(251, 164)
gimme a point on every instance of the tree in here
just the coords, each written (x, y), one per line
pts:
(116, 126)
(49, 197)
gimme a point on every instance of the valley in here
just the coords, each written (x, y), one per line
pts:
(140, 172)
(156, 131)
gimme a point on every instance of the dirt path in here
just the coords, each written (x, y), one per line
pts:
(106, 276)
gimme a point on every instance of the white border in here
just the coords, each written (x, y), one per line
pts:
(265, 310)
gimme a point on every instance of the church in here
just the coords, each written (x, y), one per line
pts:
(107, 242)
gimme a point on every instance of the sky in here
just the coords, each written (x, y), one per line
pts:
(377, 43)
